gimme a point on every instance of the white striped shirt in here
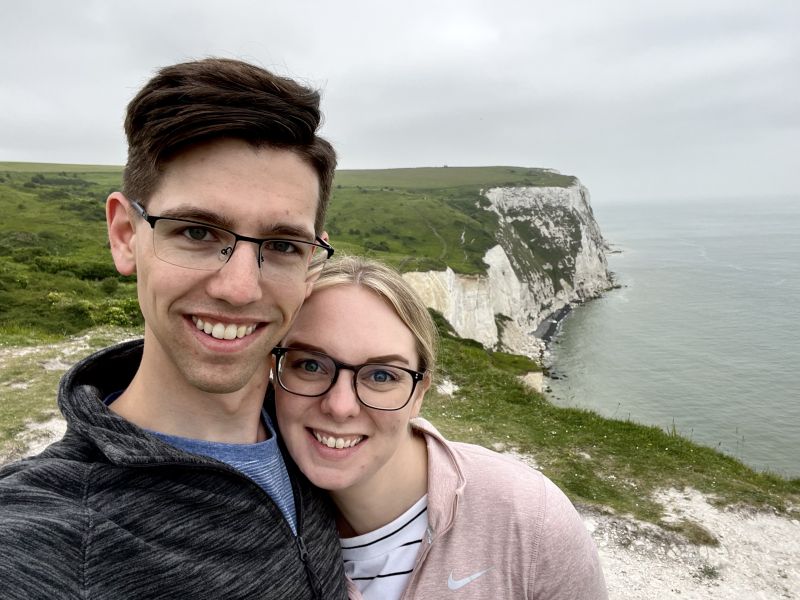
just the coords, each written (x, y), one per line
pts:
(380, 562)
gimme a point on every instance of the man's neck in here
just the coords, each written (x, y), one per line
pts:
(172, 406)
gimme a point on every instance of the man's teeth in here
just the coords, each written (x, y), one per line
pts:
(221, 331)
(339, 443)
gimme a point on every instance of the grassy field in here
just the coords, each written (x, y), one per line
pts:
(57, 281)
(56, 274)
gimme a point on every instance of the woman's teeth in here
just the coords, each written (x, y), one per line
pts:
(338, 443)
(221, 331)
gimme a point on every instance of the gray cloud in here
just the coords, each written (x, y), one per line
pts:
(637, 98)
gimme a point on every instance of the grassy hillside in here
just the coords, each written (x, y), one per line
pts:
(56, 278)
(427, 218)
(56, 274)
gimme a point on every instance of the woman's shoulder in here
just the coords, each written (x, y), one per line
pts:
(492, 467)
(483, 467)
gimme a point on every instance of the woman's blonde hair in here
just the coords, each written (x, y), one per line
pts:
(389, 285)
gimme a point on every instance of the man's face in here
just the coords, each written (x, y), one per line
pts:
(254, 192)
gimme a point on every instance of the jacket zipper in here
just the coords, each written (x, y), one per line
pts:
(313, 581)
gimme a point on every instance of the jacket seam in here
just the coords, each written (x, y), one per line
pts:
(537, 540)
(89, 524)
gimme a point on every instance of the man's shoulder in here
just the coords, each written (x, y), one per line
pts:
(42, 525)
(33, 483)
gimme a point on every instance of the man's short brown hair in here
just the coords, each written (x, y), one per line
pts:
(194, 102)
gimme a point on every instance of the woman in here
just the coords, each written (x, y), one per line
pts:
(418, 516)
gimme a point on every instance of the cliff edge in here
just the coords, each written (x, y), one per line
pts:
(550, 255)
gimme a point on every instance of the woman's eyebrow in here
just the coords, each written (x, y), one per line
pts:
(387, 358)
(303, 346)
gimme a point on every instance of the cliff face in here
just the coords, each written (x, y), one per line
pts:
(549, 255)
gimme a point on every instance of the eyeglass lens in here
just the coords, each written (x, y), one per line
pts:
(207, 248)
(312, 374)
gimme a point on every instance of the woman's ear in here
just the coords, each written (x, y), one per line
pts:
(121, 233)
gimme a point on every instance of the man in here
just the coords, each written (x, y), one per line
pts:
(169, 482)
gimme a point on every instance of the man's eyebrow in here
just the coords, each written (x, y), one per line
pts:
(288, 230)
(385, 359)
(193, 213)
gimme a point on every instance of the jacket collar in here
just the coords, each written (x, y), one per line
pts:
(81, 396)
(446, 480)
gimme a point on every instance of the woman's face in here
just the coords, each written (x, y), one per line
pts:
(352, 325)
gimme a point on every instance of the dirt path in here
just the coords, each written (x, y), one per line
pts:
(758, 556)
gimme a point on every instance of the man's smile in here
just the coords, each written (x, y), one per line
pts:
(224, 331)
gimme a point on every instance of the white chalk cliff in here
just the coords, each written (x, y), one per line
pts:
(549, 254)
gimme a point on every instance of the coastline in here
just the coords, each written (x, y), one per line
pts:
(549, 328)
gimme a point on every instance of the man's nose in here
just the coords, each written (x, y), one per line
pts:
(239, 281)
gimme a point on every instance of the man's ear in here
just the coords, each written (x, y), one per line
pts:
(310, 282)
(121, 233)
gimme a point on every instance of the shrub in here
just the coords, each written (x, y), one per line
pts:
(122, 313)
(109, 285)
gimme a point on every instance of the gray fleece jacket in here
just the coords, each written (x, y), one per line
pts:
(110, 511)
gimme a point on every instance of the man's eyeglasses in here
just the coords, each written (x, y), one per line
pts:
(204, 247)
(376, 385)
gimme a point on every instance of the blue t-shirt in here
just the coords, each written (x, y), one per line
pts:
(262, 462)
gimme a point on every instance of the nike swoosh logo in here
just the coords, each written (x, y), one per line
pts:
(457, 584)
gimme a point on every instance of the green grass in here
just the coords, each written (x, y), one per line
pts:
(26, 167)
(56, 273)
(429, 178)
(426, 218)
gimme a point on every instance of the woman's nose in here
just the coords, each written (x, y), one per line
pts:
(341, 401)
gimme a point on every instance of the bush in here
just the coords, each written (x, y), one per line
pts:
(82, 269)
(109, 285)
(122, 313)
(377, 246)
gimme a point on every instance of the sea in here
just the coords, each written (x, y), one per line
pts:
(703, 334)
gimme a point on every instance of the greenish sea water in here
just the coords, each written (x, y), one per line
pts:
(703, 335)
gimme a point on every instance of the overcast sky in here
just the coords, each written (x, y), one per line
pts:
(639, 99)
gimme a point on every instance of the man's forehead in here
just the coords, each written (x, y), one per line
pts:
(239, 185)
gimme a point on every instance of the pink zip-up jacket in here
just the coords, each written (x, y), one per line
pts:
(498, 529)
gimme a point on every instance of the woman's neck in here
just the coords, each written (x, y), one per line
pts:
(373, 504)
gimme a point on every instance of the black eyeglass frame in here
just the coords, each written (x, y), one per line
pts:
(152, 220)
(279, 351)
